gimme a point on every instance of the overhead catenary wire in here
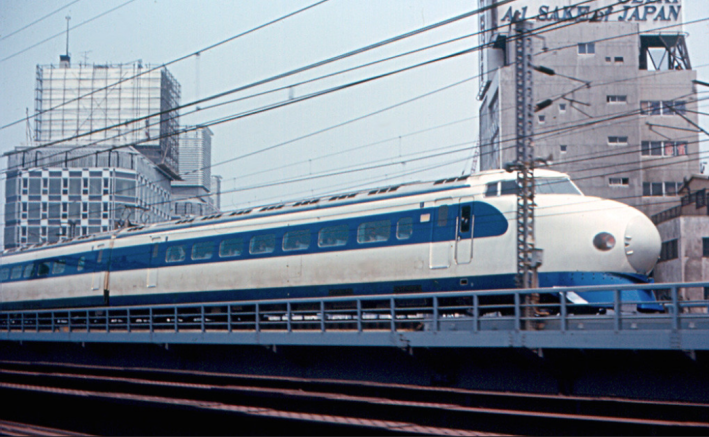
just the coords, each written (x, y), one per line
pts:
(181, 58)
(171, 110)
(288, 73)
(604, 120)
(292, 72)
(594, 122)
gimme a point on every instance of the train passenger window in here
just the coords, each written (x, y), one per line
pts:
(81, 264)
(404, 228)
(231, 247)
(442, 215)
(29, 271)
(175, 254)
(262, 244)
(508, 188)
(44, 268)
(491, 189)
(4, 274)
(16, 272)
(203, 250)
(373, 232)
(58, 267)
(296, 240)
(332, 236)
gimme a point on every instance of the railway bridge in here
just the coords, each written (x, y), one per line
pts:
(537, 341)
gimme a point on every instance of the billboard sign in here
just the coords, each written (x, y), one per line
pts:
(649, 14)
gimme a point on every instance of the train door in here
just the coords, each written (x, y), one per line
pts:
(99, 272)
(464, 231)
(442, 234)
(154, 261)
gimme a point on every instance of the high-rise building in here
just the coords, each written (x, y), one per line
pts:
(192, 194)
(618, 113)
(108, 106)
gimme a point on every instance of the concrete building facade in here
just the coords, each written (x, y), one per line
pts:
(684, 230)
(618, 114)
(86, 194)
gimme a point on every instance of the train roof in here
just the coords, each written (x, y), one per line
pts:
(478, 180)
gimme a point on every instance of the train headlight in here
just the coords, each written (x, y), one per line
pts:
(604, 241)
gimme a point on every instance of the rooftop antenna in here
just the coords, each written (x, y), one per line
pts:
(65, 60)
(28, 128)
(85, 56)
(68, 18)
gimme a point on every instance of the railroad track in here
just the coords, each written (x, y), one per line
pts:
(105, 400)
(23, 429)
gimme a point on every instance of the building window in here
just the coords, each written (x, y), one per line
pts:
(705, 247)
(617, 99)
(618, 60)
(562, 107)
(661, 188)
(669, 250)
(587, 48)
(663, 148)
(563, 148)
(619, 182)
(617, 141)
(657, 107)
(542, 118)
(608, 58)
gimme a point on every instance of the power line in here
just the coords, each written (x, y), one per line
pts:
(38, 20)
(62, 33)
(320, 63)
(291, 72)
(210, 47)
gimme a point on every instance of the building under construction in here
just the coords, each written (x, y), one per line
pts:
(109, 106)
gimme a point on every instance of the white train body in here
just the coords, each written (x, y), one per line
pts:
(455, 234)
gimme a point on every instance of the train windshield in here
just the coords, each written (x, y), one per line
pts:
(553, 185)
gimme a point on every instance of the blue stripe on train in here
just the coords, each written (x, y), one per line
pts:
(489, 222)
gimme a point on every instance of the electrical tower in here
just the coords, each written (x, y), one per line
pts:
(524, 113)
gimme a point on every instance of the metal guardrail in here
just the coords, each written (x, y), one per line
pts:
(487, 318)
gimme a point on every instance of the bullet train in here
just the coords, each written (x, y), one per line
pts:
(455, 234)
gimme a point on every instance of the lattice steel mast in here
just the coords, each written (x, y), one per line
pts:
(526, 266)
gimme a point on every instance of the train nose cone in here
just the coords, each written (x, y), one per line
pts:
(642, 244)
